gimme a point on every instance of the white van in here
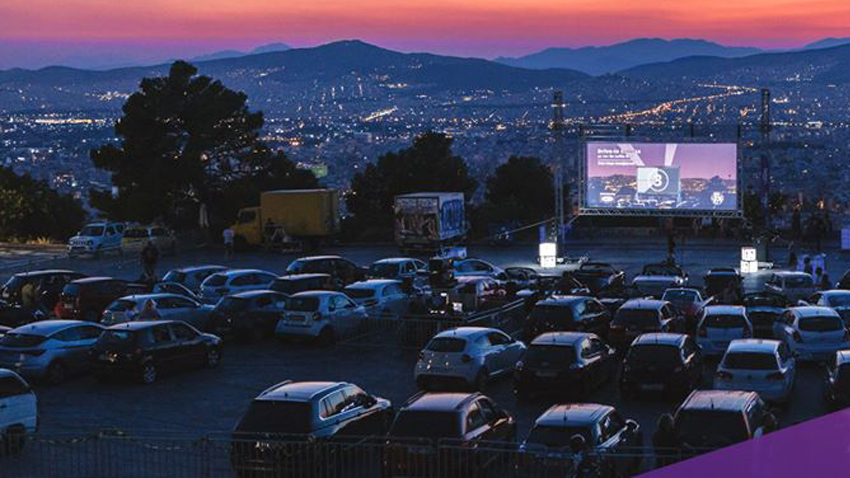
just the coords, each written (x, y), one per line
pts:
(18, 411)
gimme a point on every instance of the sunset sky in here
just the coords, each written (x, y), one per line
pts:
(38, 30)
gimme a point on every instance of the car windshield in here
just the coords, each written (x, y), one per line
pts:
(724, 321)
(359, 292)
(555, 354)
(446, 345)
(552, 313)
(277, 416)
(750, 361)
(121, 306)
(820, 324)
(136, 233)
(302, 304)
(384, 269)
(557, 436)
(13, 339)
(698, 427)
(216, 280)
(798, 281)
(639, 318)
(174, 276)
(655, 353)
(839, 300)
(680, 296)
(426, 424)
(660, 270)
(232, 304)
(764, 301)
(92, 231)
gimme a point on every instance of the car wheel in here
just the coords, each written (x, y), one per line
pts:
(327, 337)
(481, 379)
(213, 357)
(149, 372)
(56, 373)
(13, 441)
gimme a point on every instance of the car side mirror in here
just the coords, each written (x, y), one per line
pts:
(631, 426)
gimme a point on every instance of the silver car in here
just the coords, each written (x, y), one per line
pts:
(382, 297)
(50, 350)
(168, 306)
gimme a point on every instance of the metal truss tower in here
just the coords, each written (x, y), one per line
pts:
(559, 159)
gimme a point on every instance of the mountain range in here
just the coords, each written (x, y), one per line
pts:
(219, 55)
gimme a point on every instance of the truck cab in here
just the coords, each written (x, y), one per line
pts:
(248, 226)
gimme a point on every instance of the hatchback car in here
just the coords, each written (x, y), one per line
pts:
(836, 299)
(86, 299)
(48, 283)
(640, 316)
(168, 306)
(564, 363)
(295, 283)
(18, 412)
(838, 380)
(812, 333)
(49, 350)
(234, 281)
(794, 286)
(567, 313)
(248, 315)
(654, 279)
(721, 324)
(605, 433)
(398, 268)
(465, 421)
(342, 270)
(661, 362)
(192, 277)
(145, 350)
(381, 297)
(763, 309)
(710, 419)
(758, 365)
(468, 356)
(321, 315)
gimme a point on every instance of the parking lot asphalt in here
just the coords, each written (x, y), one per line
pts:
(201, 402)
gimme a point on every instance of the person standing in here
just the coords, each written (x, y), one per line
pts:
(149, 311)
(150, 256)
(229, 236)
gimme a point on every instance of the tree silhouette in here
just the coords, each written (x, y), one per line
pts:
(32, 210)
(522, 189)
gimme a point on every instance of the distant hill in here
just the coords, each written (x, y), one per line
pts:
(220, 55)
(608, 59)
(828, 65)
(827, 43)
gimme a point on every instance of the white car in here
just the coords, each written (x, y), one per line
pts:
(763, 366)
(18, 411)
(721, 324)
(468, 356)
(322, 315)
(837, 299)
(97, 238)
(478, 268)
(812, 333)
(654, 279)
(169, 307)
(192, 277)
(794, 286)
(380, 297)
(234, 281)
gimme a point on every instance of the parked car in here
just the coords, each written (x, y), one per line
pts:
(48, 283)
(812, 332)
(135, 238)
(17, 315)
(467, 356)
(86, 299)
(605, 432)
(614, 297)
(248, 315)
(295, 283)
(174, 288)
(838, 380)
(478, 268)
(465, 421)
(147, 349)
(661, 363)
(567, 313)
(763, 309)
(520, 278)
(50, 350)
(96, 239)
(18, 412)
(721, 324)
(342, 271)
(599, 275)
(688, 301)
(837, 299)
(398, 268)
(711, 419)
(168, 306)
(381, 297)
(640, 316)
(844, 282)
(565, 363)
(794, 286)
(476, 294)
(321, 315)
(234, 281)
(192, 277)
(654, 279)
(719, 281)
(319, 410)
(763, 366)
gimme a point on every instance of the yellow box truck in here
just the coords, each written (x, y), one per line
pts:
(304, 214)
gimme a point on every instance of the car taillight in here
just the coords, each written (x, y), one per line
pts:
(747, 333)
(317, 316)
(797, 337)
(724, 375)
(775, 377)
(465, 358)
(703, 332)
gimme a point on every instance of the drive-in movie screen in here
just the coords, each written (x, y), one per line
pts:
(662, 176)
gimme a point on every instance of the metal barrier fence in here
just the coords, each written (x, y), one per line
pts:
(113, 456)
(414, 331)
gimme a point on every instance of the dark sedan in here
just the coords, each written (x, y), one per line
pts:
(661, 362)
(249, 315)
(599, 275)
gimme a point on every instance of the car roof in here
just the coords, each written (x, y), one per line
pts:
(660, 338)
(573, 414)
(813, 311)
(753, 345)
(395, 260)
(791, 273)
(139, 324)
(372, 283)
(155, 296)
(236, 272)
(45, 272)
(300, 391)
(561, 338)
(465, 332)
(724, 400)
(91, 280)
(47, 327)
(317, 258)
(562, 300)
(836, 292)
(294, 277)
(200, 268)
(443, 401)
(725, 310)
(318, 293)
(722, 271)
(652, 304)
(250, 294)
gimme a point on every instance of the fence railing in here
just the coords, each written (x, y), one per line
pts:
(118, 455)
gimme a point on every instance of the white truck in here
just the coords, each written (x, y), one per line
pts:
(429, 221)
